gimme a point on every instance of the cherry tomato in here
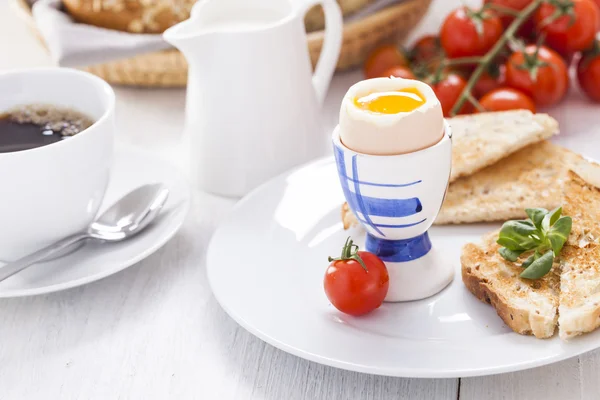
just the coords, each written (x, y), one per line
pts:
(568, 34)
(355, 288)
(426, 48)
(461, 37)
(486, 83)
(383, 58)
(543, 77)
(516, 5)
(448, 90)
(588, 73)
(503, 99)
(400, 72)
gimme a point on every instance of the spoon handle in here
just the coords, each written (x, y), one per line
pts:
(16, 266)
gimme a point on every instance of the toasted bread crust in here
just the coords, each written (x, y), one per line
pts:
(580, 259)
(482, 139)
(348, 218)
(527, 307)
(581, 201)
(515, 319)
(580, 290)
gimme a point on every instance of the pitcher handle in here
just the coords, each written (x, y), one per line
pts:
(332, 44)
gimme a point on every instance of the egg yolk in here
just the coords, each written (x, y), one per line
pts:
(393, 102)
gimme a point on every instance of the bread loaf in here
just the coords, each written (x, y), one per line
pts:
(136, 16)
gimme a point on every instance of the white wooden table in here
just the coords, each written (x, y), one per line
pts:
(155, 331)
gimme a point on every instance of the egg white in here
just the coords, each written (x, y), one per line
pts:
(388, 134)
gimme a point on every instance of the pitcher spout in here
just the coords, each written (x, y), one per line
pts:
(184, 35)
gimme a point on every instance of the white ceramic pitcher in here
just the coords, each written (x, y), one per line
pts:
(253, 103)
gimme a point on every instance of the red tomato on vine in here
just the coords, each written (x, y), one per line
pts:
(383, 58)
(357, 282)
(573, 31)
(588, 73)
(516, 5)
(426, 49)
(538, 72)
(486, 83)
(504, 99)
(399, 72)
(467, 33)
(448, 90)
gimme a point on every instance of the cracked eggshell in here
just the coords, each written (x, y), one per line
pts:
(389, 134)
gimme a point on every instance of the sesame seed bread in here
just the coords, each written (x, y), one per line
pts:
(570, 294)
(503, 190)
(482, 139)
(579, 308)
(136, 16)
(528, 307)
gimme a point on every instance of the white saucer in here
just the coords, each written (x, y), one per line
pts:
(266, 264)
(94, 261)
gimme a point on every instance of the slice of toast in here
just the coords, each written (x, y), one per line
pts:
(580, 259)
(570, 293)
(502, 191)
(528, 307)
(479, 140)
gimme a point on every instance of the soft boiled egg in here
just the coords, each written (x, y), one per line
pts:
(388, 116)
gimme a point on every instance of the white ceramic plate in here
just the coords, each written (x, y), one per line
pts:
(94, 261)
(266, 265)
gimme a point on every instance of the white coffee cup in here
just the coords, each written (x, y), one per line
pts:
(49, 192)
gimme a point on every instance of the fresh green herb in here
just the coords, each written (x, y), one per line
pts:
(540, 267)
(510, 255)
(544, 233)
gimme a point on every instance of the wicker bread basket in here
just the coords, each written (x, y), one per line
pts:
(169, 68)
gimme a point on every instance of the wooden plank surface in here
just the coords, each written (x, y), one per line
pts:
(155, 331)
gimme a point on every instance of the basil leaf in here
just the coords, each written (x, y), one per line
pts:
(551, 218)
(536, 215)
(559, 233)
(517, 235)
(539, 267)
(510, 244)
(529, 260)
(555, 215)
(510, 255)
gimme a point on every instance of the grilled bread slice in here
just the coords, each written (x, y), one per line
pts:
(528, 307)
(503, 190)
(479, 140)
(579, 308)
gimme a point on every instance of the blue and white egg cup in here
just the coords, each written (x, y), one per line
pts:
(397, 198)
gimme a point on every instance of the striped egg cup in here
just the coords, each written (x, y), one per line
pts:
(396, 198)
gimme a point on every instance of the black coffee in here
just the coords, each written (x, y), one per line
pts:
(31, 126)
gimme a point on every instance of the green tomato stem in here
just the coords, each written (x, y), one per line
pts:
(475, 103)
(350, 252)
(502, 9)
(462, 61)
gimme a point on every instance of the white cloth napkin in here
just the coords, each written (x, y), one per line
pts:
(76, 45)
